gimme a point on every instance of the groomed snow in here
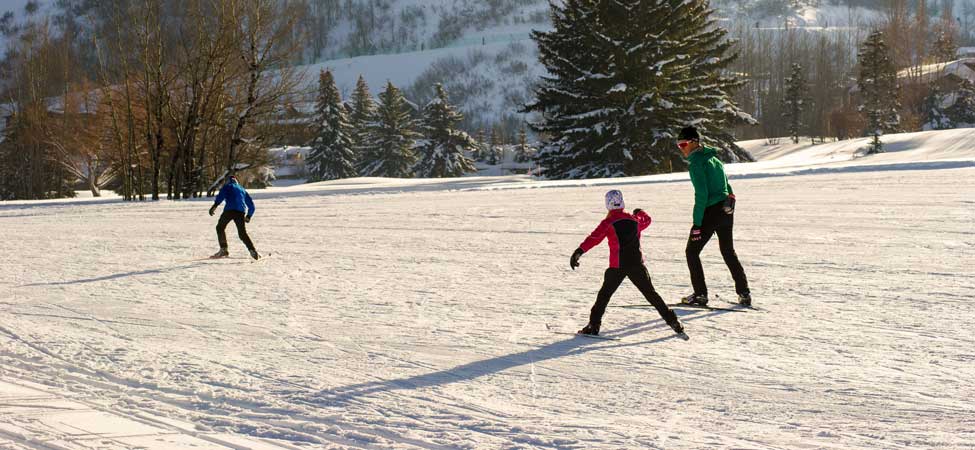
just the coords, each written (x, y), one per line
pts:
(423, 314)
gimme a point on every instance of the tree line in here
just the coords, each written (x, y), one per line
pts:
(805, 82)
(153, 100)
(145, 97)
(392, 137)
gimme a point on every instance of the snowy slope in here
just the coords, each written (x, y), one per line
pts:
(489, 79)
(947, 148)
(944, 149)
(423, 314)
(500, 83)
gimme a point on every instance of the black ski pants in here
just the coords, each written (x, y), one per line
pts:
(640, 278)
(238, 218)
(716, 221)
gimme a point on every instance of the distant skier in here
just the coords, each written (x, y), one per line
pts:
(714, 212)
(236, 198)
(625, 261)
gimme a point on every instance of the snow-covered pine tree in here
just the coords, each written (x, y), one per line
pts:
(479, 152)
(495, 147)
(945, 49)
(625, 76)
(443, 145)
(950, 110)
(962, 112)
(331, 156)
(795, 101)
(390, 137)
(935, 116)
(523, 152)
(879, 94)
(946, 36)
(363, 108)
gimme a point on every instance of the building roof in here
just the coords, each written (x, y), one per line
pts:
(963, 68)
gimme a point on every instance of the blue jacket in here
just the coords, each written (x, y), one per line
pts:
(236, 198)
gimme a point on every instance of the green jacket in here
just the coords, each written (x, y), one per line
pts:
(710, 182)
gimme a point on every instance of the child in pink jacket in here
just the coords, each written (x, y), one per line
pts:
(622, 230)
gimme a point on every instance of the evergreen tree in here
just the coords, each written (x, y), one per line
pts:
(946, 36)
(962, 112)
(363, 108)
(389, 138)
(331, 155)
(495, 147)
(935, 117)
(950, 110)
(794, 102)
(442, 149)
(625, 75)
(945, 48)
(524, 152)
(479, 153)
(877, 82)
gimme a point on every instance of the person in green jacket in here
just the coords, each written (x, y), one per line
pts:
(714, 213)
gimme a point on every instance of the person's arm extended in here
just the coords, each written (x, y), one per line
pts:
(591, 241)
(217, 201)
(594, 238)
(250, 204)
(220, 196)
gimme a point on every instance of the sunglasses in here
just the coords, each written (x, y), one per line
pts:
(683, 144)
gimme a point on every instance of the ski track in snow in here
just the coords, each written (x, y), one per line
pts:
(419, 319)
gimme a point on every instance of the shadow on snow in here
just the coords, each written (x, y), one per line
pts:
(577, 345)
(194, 264)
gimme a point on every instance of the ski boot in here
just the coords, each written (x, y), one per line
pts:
(695, 300)
(678, 329)
(223, 253)
(745, 299)
(590, 329)
(255, 255)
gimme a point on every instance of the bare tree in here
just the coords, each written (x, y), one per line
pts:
(76, 136)
(118, 87)
(262, 31)
(30, 167)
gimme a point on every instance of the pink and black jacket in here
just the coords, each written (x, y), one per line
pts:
(622, 229)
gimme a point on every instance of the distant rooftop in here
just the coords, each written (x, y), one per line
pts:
(962, 68)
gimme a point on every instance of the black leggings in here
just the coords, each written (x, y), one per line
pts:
(716, 222)
(640, 278)
(238, 218)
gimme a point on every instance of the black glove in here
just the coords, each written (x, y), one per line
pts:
(247, 219)
(729, 204)
(213, 208)
(574, 260)
(637, 211)
(695, 233)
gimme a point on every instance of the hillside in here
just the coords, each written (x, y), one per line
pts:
(483, 53)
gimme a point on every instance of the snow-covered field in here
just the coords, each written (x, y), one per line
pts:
(422, 314)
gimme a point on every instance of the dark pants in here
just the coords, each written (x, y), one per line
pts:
(716, 222)
(238, 218)
(640, 278)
